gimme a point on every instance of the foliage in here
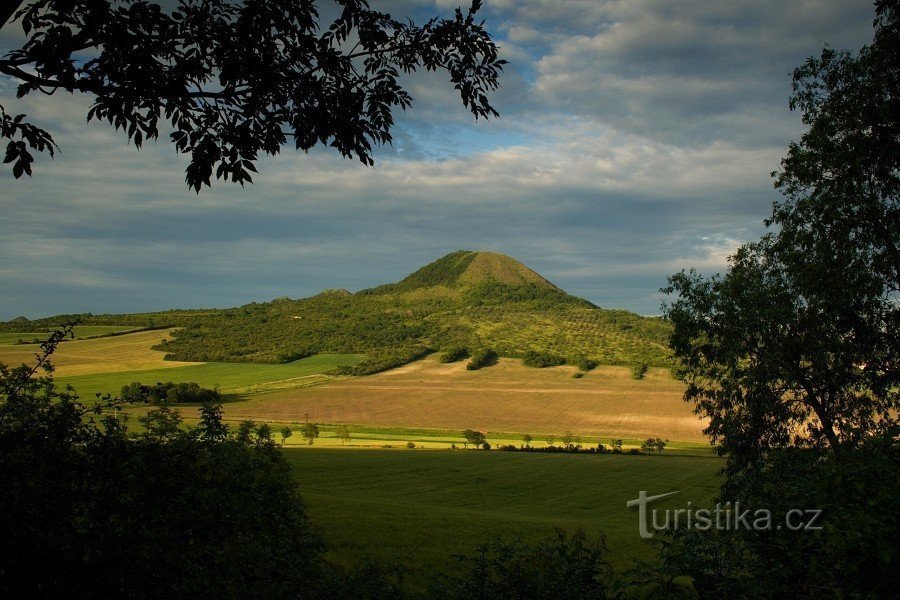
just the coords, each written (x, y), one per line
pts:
(569, 440)
(310, 432)
(236, 79)
(101, 509)
(527, 438)
(583, 363)
(285, 432)
(650, 445)
(639, 370)
(541, 360)
(792, 353)
(850, 549)
(343, 432)
(482, 357)
(565, 567)
(454, 354)
(169, 393)
(476, 438)
(398, 323)
(616, 445)
(411, 445)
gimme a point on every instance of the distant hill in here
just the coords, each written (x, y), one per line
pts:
(464, 299)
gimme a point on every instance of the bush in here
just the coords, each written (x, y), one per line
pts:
(410, 445)
(169, 393)
(639, 370)
(583, 363)
(578, 374)
(483, 357)
(455, 354)
(541, 360)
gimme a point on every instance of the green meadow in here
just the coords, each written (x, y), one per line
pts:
(419, 508)
(230, 377)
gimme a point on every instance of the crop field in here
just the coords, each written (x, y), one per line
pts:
(417, 508)
(80, 331)
(129, 352)
(507, 397)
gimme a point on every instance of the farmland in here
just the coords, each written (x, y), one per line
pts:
(80, 331)
(418, 508)
(507, 397)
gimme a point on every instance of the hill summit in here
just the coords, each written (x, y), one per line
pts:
(468, 268)
(464, 302)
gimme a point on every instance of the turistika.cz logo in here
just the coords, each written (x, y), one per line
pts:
(723, 517)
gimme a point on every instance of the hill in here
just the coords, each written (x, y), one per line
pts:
(465, 299)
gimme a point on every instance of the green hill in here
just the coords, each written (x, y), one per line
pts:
(465, 299)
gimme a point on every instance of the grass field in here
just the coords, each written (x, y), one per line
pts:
(80, 331)
(507, 397)
(232, 378)
(418, 508)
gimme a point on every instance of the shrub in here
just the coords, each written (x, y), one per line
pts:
(483, 357)
(639, 370)
(541, 360)
(578, 374)
(583, 363)
(410, 445)
(169, 393)
(455, 354)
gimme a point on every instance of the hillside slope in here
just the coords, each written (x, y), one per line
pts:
(470, 299)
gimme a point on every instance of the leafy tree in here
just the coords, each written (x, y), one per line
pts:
(87, 507)
(476, 438)
(616, 445)
(310, 432)
(791, 354)
(527, 438)
(568, 440)
(237, 79)
(550, 439)
(343, 432)
(285, 434)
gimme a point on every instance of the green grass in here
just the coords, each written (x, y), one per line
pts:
(81, 332)
(418, 508)
(231, 377)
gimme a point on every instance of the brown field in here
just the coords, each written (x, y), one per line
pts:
(507, 397)
(130, 352)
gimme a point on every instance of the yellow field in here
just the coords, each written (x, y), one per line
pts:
(130, 352)
(507, 397)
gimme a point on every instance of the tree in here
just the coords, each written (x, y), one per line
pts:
(285, 434)
(476, 438)
(343, 432)
(616, 445)
(98, 508)
(550, 439)
(527, 438)
(237, 79)
(310, 432)
(568, 440)
(792, 353)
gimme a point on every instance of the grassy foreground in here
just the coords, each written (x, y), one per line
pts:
(417, 508)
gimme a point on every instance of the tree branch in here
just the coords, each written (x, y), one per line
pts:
(8, 9)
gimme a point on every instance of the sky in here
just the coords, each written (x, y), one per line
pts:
(636, 139)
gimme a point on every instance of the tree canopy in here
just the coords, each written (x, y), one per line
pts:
(235, 79)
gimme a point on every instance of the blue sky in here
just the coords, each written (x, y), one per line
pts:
(636, 138)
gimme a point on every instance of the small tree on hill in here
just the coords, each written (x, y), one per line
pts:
(310, 432)
(617, 445)
(343, 432)
(527, 438)
(550, 439)
(476, 438)
(285, 433)
(568, 440)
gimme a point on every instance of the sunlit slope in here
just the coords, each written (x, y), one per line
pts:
(508, 397)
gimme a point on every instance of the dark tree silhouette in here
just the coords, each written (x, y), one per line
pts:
(237, 78)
